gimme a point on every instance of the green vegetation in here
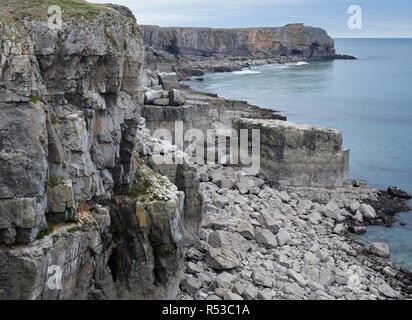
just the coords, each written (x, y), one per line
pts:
(45, 250)
(111, 38)
(125, 44)
(142, 184)
(53, 119)
(53, 182)
(38, 8)
(50, 228)
(55, 238)
(73, 229)
(33, 99)
(156, 197)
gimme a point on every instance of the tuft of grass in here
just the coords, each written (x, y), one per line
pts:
(125, 45)
(55, 238)
(45, 250)
(53, 119)
(53, 182)
(50, 228)
(73, 230)
(111, 38)
(33, 99)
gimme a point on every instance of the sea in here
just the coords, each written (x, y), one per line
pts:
(368, 99)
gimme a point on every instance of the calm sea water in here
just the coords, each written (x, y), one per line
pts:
(369, 100)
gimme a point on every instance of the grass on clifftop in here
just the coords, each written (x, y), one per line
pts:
(38, 8)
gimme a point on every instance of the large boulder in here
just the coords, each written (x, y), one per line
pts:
(176, 98)
(380, 249)
(168, 80)
(222, 259)
(266, 238)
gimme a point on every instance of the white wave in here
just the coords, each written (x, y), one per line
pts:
(246, 72)
(301, 63)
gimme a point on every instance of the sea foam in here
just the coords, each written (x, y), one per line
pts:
(247, 71)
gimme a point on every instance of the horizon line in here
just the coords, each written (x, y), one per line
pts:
(339, 37)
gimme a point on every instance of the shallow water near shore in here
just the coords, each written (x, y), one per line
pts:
(369, 99)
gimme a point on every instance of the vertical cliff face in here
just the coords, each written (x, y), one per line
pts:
(70, 110)
(294, 39)
(70, 192)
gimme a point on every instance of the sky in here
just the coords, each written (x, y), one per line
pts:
(380, 18)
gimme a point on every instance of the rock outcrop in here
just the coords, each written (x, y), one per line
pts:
(299, 155)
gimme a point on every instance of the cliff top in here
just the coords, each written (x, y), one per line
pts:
(287, 26)
(38, 8)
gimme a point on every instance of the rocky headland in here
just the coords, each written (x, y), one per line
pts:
(81, 195)
(194, 51)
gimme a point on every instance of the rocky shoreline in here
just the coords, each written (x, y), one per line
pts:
(259, 243)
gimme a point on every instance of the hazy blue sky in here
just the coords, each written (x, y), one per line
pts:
(380, 18)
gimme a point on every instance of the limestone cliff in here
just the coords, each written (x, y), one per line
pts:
(72, 189)
(293, 39)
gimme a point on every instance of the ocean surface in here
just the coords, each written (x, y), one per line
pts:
(369, 100)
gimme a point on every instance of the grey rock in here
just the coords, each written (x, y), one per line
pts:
(229, 295)
(168, 80)
(250, 292)
(387, 291)
(367, 211)
(222, 259)
(229, 240)
(246, 230)
(191, 285)
(270, 223)
(340, 229)
(283, 237)
(176, 98)
(225, 280)
(266, 238)
(260, 278)
(380, 249)
(297, 277)
(151, 95)
(193, 268)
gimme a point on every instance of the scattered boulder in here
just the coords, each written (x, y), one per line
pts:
(266, 238)
(260, 278)
(228, 239)
(151, 95)
(380, 249)
(284, 196)
(340, 229)
(315, 218)
(190, 285)
(246, 230)
(229, 295)
(225, 280)
(367, 211)
(245, 184)
(222, 259)
(250, 292)
(283, 237)
(266, 220)
(387, 291)
(398, 193)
